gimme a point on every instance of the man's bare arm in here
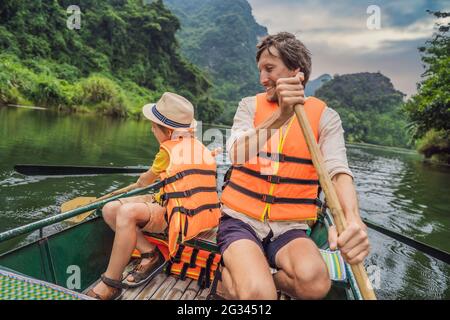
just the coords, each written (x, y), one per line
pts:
(345, 189)
(353, 242)
(242, 151)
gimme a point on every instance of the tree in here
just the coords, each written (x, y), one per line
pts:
(429, 110)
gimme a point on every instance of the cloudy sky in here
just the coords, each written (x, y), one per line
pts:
(341, 42)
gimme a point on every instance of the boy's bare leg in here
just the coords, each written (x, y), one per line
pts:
(128, 218)
(156, 224)
(303, 273)
(247, 274)
(111, 209)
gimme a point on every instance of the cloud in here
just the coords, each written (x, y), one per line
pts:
(338, 37)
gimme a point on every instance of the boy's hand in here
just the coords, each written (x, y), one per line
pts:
(140, 183)
(146, 178)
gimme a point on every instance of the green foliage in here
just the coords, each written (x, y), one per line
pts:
(96, 89)
(220, 37)
(209, 108)
(104, 94)
(51, 92)
(435, 145)
(429, 110)
(369, 107)
(124, 54)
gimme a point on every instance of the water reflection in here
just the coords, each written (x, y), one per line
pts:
(398, 191)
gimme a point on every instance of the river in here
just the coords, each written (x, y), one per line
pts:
(395, 188)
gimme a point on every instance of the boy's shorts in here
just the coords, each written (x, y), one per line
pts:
(231, 230)
(157, 222)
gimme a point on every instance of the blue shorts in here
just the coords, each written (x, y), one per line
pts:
(231, 230)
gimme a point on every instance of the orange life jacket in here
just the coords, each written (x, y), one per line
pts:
(189, 186)
(281, 181)
(194, 263)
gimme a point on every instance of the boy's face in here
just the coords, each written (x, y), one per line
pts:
(271, 68)
(161, 135)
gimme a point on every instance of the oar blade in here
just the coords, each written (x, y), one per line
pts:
(76, 203)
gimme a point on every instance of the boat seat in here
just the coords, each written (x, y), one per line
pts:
(14, 286)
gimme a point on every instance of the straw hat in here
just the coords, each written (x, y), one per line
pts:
(172, 111)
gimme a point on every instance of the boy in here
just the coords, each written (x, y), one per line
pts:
(186, 205)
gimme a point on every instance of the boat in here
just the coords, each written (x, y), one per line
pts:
(65, 261)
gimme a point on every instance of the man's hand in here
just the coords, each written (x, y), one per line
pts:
(290, 92)
(353, 242)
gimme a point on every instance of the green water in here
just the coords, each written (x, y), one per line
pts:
(395, 188)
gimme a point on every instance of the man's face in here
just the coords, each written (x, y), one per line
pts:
(271, 68)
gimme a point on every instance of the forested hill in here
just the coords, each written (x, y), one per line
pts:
(369, 106)
(123, 55)
(313, 85)
(220, 36)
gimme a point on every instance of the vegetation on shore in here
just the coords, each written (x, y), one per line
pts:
(369, 107)
(429, 110)
(124, 55)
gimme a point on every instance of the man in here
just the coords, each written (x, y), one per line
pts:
(272, 192)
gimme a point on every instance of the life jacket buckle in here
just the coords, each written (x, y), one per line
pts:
(187, 212)
(274, 179)
(180, 175)
(187, 193)
(268, 198)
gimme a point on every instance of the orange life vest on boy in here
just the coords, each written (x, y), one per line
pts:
(190, 190)
(281, 181)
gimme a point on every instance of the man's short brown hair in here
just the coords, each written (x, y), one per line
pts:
(292, 51)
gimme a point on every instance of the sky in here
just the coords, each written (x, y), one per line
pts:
(338, 36)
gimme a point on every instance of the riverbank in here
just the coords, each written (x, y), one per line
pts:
(61, 87)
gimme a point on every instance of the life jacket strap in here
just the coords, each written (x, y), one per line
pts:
(183, 174)
(184, 271)
(276, 179)
(271, 199)
(217, 278)
(279, 157)
(192, 263)
(187, 193)
(169, 267)
(209, 263)
(201, 276)
(177, 257)
(193, 212)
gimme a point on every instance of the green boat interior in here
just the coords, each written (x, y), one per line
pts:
(71, 258)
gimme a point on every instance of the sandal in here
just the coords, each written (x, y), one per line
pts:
(116, 285)
(142, 274)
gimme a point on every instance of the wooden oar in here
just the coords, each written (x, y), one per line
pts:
(57, 170)
(332, 198)
(82, 201)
